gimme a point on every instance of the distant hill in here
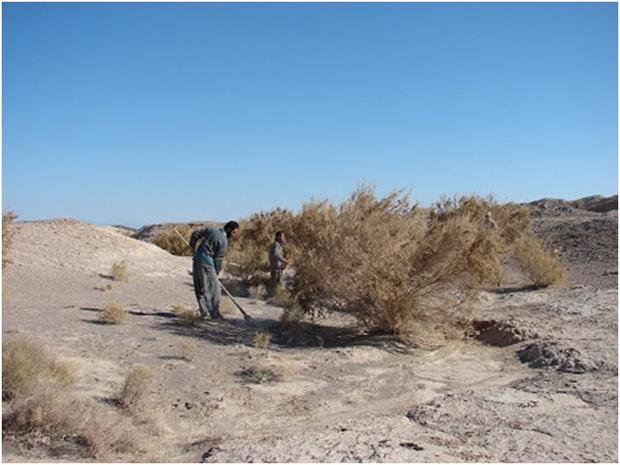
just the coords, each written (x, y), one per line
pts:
(149, 232)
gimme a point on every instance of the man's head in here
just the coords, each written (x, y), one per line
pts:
(280, 237)
(231, 229)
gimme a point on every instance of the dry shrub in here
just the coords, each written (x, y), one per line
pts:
(171, 241)
(394, 267)
(119, 271)
(187, 317)
(25, 364)
(7, 219)
(248, 256)
(261, 339)
(134, 388)
(542, 267)
(113, 314)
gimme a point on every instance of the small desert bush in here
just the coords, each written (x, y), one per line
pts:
(542, 267)
(7, 219)
(113, 314)
(134, 388)
(171, 241)
(186, 316)
(261, 339)
(25, 365)
(119, 271)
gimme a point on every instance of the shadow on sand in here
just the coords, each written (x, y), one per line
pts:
(511, 289)
(303, 335)
(240, 332)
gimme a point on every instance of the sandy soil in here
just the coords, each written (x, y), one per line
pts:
(538, 383)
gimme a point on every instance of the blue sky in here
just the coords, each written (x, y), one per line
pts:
(141, 113)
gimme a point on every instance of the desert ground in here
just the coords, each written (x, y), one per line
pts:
(537, 381)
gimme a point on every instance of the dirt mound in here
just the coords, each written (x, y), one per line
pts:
(597, 203)
(541, 354)
(149, 232)
(558, 207)
(501, 333)
(584, 235)
(551, 208)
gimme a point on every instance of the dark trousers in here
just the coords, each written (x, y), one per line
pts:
(207, 289)
(275, 280)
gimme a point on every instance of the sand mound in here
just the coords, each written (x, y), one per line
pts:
(74, 245)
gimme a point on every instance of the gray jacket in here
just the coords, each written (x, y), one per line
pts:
(276, 256)
(212, 248)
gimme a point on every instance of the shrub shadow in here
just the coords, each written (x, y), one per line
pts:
(302, 336)
(512, 289)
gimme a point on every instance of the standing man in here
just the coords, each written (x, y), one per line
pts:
(277, 262)
(207, 264)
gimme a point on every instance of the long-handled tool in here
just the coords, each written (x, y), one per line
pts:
(243, 312)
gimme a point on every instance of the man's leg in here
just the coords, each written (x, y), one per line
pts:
(213, 292)
(199, 275)
(271, 284)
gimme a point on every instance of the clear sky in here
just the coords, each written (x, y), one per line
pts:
(141, 113)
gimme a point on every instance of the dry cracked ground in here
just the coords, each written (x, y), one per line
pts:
(539, 383)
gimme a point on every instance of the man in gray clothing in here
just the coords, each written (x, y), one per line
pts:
(207, 264)
(277, 262)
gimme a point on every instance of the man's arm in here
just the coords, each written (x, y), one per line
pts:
(220, 251)
(196, 235)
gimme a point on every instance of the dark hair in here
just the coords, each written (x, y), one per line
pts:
(279, 234)
(230, 227)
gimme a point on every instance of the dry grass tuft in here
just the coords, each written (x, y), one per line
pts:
(282, 297)
(134, 388)
(187, 350)
(107, 287)
(113, 314)
(261, 339)
(542, 267)
(40, 413)
(7, 218)
(291, 318)
(119, 271)
(186, 317)
(259, 375)
(25, 364)
(169, 240)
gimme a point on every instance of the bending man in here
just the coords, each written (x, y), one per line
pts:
(207, 264)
